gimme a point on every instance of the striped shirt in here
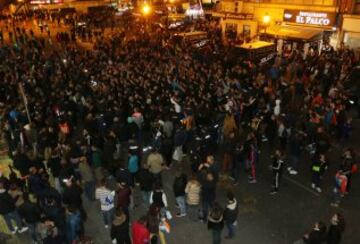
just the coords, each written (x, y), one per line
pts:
(106, 198)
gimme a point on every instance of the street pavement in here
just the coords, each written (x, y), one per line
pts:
(263, 218)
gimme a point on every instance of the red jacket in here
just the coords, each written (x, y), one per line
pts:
(140, 234)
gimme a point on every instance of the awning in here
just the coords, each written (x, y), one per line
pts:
(290, 32)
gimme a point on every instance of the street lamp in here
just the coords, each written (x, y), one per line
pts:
(146, 9)
(266, 20)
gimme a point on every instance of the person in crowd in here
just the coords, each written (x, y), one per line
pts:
(317, 235)
(216, 223)
(120, 228)
(339, 189)
(295, 152)
(159, 198)
(347, 166)
(30, 213)
(74, 223)
(8, 211)
(139, 232)
(230, 215)
(193, 190)
(146, 181)
(106, 197)
(133, 166)
(87, 179)
(318, 168)
(179, 191)
(72, 196)
(156, 164)
(123, 196)
(335, 230)
(277, 168)
(208, 194)
(154, 219)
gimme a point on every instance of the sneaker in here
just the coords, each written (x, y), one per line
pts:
(318, 189)
(23, 229)
(179, 215)
(289, 168)
(253, 181)
(264, 139)
(235, 183)
(334, 204)
(293, 172)
(313, 186)
(106, 226)
(273, 192)
(14, 231)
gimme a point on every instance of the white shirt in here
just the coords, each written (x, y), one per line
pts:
(106, 198)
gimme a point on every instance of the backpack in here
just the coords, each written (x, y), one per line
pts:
(133, 164)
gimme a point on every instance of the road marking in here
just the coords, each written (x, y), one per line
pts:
(302, 186)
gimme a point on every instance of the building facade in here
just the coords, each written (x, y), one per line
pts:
(283, 20)
(350, 28)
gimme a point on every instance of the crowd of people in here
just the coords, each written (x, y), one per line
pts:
(75, 120)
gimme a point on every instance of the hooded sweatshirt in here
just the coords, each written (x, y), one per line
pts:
(120, 229)
(231, 212)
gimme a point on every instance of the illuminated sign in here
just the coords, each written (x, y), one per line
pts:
(325, 19)
(240, 16)
(45, 1)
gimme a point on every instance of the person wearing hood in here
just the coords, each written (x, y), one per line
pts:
(120, 228)
(230, 215)
(216, 223)
(317, 235)
(336, 228)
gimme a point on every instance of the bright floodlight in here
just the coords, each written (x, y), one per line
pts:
(146, 9)
(266, 19)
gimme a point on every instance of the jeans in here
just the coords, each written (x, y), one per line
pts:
(146, 198)
(32, 230)
(206, 204)
(193, 212)
(89, 189)
(294, 162)
(231, 228)
(216, 236)
(12, 216)
(181, 202)
(108, 216)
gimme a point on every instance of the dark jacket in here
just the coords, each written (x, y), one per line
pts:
(7, 204)
(231, 212)
(315, 237)
(215, 221)
(120, 230)
(30, 212)
(145, 179)
(208, 191)
(334, 234)
(179, 185)
(72, 196)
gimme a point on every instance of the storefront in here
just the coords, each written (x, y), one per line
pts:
(236, 25)
(350, 34)
(302, 30)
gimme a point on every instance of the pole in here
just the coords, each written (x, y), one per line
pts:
(21, 89)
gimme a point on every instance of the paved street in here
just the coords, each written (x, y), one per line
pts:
(263, 218)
